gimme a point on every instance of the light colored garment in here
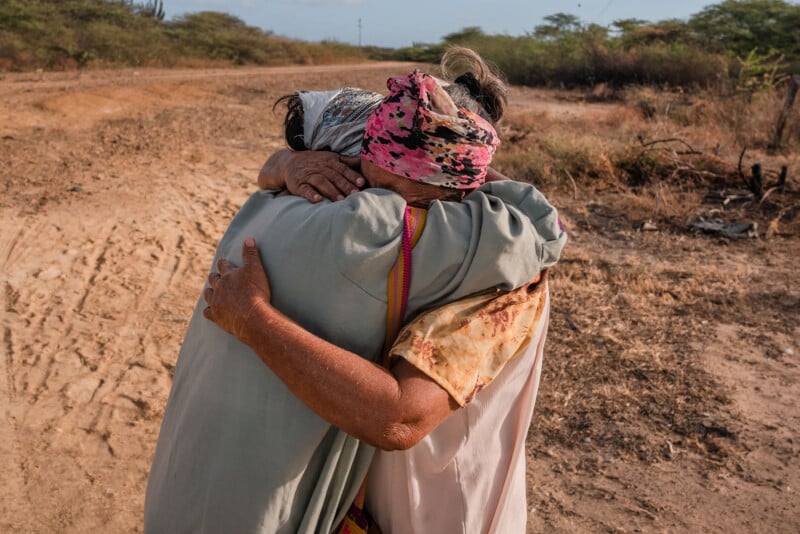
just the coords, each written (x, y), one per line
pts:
(334, 120)
(463, 346)
(468, 475)
(238, 452)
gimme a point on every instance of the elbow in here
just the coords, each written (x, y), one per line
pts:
(404, 426)
(398, 436)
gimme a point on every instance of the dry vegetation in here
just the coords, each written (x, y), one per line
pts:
(671, 371)
(643, 300)
(673, 156)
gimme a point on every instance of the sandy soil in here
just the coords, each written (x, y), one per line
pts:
(115, 187)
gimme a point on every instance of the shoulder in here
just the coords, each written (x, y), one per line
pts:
(501, 235)
(522, 205)
(369, 214)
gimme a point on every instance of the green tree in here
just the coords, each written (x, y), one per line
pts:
(623, 27)
(464, 36)
(558, 25)
(664, 33)
(742, 26)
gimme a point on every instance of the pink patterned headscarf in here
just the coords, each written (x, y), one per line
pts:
(418, 132)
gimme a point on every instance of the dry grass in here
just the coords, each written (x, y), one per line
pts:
(673, 157)
(627, 348)
(625, 378)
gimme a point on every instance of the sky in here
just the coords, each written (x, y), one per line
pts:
(399, 23)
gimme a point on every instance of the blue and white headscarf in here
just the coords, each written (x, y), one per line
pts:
(335, 120)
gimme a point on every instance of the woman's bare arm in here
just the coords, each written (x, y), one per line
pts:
(390, 409)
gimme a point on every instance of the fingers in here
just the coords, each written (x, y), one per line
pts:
(336, 182)
(355, 179)
(308, 193)
(223, 266)
(333, 183)
(350, 171)
(318, 175)
(208, 294)
(354, 162)
(321, 184)
(250, 255)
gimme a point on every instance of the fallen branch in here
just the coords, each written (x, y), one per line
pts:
(691, 151)
(767, 193)
(685, 167)
(574, 185)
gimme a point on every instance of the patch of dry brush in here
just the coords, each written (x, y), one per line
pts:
(669, 157)
(624, 377)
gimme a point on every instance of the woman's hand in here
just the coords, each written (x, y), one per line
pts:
(313, 175)
(235, 293)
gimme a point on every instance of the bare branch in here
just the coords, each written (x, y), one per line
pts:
(574, 186)
(671, 140)
(739, 168)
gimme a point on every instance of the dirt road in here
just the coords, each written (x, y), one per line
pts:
(115, 187)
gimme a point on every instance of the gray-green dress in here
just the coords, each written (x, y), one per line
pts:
(237, 451)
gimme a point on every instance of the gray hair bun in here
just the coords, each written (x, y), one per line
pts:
(475, 81)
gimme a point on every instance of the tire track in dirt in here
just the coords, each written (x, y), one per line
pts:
(11, 246)
(14, 515)
(45, 364)
(117, 187)
(85, 330)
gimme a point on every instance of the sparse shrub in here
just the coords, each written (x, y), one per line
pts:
(219, 36)
(641, 166)
(84, 33)
(527, 164)
(758, 72)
